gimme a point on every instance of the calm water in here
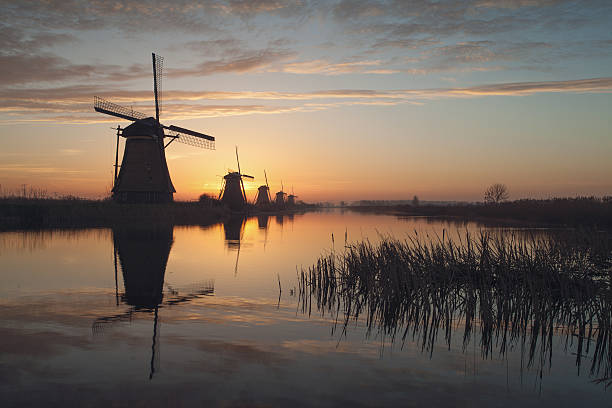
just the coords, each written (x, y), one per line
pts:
(192, 316)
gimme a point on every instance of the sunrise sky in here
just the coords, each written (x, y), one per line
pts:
(343, 100)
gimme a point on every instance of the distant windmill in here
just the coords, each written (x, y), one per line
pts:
(144, 175)
(291, 198)
(232, 193)
(280, 197)
(263, 194)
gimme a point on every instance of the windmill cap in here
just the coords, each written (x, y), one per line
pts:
(143, 127)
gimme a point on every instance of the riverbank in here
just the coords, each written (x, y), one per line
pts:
(31, 213)
(581, 211)
(19, 213)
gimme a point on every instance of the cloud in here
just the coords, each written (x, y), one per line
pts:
(73, 104)
(14, 40)
(327, 68)
(40, 169)
(443, 35)
(593, 85)
(28, 69)
(246, 62)
(22, 68)
(143, 15)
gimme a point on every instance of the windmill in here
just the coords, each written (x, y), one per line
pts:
(232, 192)
(263, 194)
(291, 198)
(143, 174)
(280, 197)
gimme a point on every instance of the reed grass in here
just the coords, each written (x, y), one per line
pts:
(511, 289)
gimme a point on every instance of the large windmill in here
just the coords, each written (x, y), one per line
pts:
(144, 175)
(232, 192)
(263, 194)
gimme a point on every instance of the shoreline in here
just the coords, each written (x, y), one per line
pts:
(561, 212)
(30, 214)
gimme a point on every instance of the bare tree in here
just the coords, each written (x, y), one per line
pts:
(496, 193)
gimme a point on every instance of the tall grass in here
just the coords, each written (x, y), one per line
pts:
(512, 290)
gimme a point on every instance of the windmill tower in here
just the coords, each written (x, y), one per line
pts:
(291, 198)
(144, 175)
(232, 192)
(263, 194)
(280, 197)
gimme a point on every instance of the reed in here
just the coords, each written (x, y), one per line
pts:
(512, 289)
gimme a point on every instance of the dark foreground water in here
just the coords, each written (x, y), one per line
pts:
(194, 316)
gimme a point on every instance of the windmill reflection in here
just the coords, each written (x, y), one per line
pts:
(143, 254)
(233, 229)
(262, 221)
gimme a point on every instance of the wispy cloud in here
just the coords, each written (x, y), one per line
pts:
(39, 169)
(245, 62)
(327, 68)
(73, 104)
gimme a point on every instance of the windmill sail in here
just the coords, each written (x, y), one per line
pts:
(109, 108)
(158, 66)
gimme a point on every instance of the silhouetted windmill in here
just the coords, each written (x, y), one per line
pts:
(144, 175)
(291, 198)
(263, 194)
(232, 192)
(280, 197)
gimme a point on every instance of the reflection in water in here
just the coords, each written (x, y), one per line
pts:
(143, 255)
(234, 230)
(511, 291)
(262, 221)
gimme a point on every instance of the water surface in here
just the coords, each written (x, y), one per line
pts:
(195, 315)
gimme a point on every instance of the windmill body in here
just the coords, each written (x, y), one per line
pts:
(263, 196)
(232, 193)
(291, 199)
(280, 198)
(144, 175)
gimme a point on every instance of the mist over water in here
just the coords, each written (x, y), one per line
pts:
(193, 315)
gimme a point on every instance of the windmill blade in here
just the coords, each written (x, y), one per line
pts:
(237, 160)
(189, 132)
(109, 108)
(190, 139)
(266, 176)
(222, 188)
(158, 66)
(247, 176)
(243, 191)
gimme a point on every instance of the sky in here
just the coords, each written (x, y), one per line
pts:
(338, 100)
